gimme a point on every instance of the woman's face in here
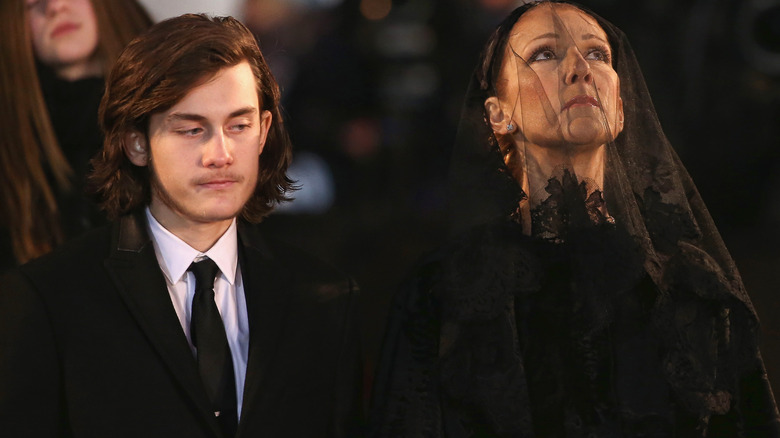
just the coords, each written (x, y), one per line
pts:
(64, 36)
(557, 86)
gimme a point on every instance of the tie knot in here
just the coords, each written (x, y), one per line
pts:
(205, 272)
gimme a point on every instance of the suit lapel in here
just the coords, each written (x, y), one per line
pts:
(133, 267)
(266, 284)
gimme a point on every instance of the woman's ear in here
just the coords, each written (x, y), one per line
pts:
(620, 119)
(498, 118)
(136, 148)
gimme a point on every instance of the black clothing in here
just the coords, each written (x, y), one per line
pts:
(73, 111)
(91, 345)
(494, 337)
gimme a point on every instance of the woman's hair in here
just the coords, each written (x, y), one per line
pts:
(29, 150)
(118, 23)
(154, 73)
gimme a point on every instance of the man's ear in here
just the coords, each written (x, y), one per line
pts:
(136, 148)
(265, 124)
(498, 118)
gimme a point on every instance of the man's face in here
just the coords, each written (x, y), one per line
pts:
(203, 151)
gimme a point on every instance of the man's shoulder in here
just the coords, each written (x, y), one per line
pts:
(305, 267)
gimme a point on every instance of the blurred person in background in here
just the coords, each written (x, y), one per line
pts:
(54, 55)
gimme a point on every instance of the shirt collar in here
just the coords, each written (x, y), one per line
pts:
(175, 255)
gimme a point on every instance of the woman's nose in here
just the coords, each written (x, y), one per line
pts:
(53, 6)
(576, 67)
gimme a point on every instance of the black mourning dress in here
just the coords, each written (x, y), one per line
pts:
(73, 110)
(620, 314)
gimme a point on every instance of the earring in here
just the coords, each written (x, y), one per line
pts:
(510, 127)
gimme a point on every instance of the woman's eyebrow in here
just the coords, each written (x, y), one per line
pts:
(545, 36)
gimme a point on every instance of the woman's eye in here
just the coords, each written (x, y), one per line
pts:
(543, 54)
(597, 55)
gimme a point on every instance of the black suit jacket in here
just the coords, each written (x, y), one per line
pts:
(90, 345)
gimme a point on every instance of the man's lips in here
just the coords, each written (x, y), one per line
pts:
(582, 100)
(217, 183)
(64, 28)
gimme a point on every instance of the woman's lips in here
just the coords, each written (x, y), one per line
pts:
(582, 100)
(64, 28)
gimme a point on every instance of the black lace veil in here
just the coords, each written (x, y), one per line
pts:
(646, 189)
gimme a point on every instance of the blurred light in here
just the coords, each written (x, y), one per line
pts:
(407, 87)
(406, 39)
(375, 9)
(318, 4)
(317, 188)
(162, 9)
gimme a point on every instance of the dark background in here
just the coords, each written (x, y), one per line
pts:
(373, 88)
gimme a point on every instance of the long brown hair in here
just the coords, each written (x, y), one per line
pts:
(156, 71)
(28, 146)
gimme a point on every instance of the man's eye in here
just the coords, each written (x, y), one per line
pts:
(240, 127)
(189, 132)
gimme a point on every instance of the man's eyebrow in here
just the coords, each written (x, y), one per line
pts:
(243, 111)
(175, 117)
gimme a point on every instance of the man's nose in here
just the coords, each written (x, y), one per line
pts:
(218, 152)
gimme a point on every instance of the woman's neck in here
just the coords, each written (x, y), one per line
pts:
(80, 70)
(541, 164)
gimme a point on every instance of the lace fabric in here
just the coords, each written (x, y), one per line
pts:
(573, 299)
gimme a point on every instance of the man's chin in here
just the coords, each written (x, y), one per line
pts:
(216, 215)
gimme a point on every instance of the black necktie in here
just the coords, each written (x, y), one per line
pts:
(208, 336)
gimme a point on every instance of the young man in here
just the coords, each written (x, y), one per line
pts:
(180, 319)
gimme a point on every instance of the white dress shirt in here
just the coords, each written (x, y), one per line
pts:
(175, 256)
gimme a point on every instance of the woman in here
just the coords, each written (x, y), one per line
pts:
(50, 89)
(586, 291)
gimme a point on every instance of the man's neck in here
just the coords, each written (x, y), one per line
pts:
(199, 235)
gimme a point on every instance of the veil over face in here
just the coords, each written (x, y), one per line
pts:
(558, 86)
(556, 101)
(585, 279)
